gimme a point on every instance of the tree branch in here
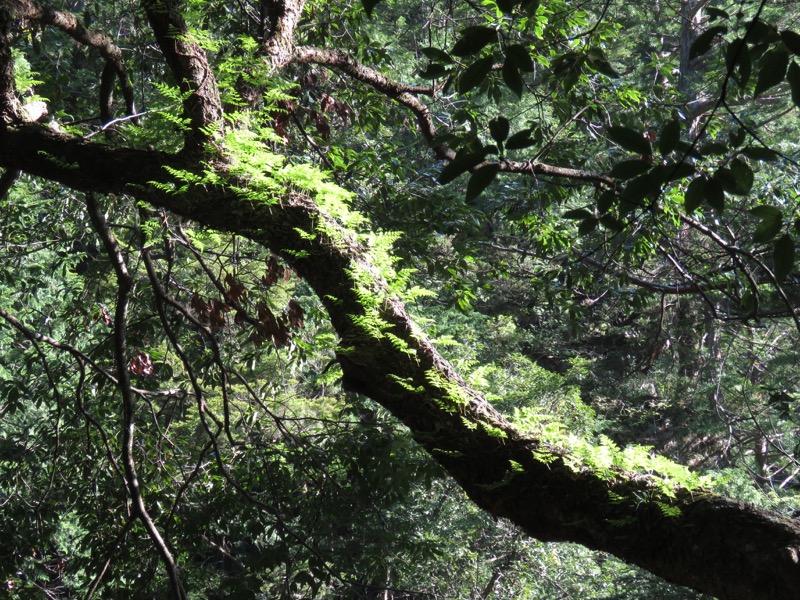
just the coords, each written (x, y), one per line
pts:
(115, 65)
(707, 542)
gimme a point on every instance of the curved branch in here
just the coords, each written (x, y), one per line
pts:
(406, 95)
(70, 25)
(694, 538)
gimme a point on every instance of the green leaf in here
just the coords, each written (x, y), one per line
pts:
(512, 78)
(703, 42)
(773, 70)
(475, 74)
(587, 226)
(669, 138)
(791, 40)
(793, 77)
(644, 186)
(460, 164)
(629, 139)
(473, 39)
(436, 55)
(760, 153)
(736, 179)
(738, 55)
(715, 195)
(770, 223)
(783, 255)
(521, 139)
(369, 5)
(694, 195)
(520, 57)
(713, 147)
(507, 6)
(578, 214)
(498, 128)
(434, 71)
(629, 168)
(480, 180)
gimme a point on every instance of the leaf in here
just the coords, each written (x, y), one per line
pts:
(436, 54)
(629, 139)
(577, 214)
(480, 180)
(587, 226)
(461, 163)
(783, 255)
(791, 40)
(521, 58)
(793, 77)
(434, 71)
(473, 39)
(715, 196)
(521, 139)
(647, 185)
(475, 74)
(694, 195)
(736, 179)
(499, 128)
(738, 55)
(703, 42)
(629, 168)
(369, 5)
(512, 78)
(713, 147)
(760, 153)
(773, 70)
(670, 136)
(770, 223)
(507, 6)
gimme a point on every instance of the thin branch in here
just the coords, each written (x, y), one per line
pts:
(70, 25)
(124, 287)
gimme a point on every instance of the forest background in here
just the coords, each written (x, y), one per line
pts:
(399, 299)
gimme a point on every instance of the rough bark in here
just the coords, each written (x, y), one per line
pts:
(713, 544)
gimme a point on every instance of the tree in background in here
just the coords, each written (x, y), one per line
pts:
(203, 280)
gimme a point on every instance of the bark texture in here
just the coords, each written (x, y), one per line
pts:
(714, 544)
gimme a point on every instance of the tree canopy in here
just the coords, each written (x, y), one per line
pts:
(329, 299)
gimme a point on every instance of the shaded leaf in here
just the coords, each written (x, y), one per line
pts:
(436, 54)
(475, 74)
(520, 57)
(703, 42)
(587, 226)
(499, 128)
(434, 71)
(793, 77)
(760, 153)
(713, 147)
(770, 222)
(694, 195)
(629, 139)
(480, 180)
(578, 214)
(738, 56)
(521, 139)
(783, 256)
(670, 136)
(460, 164)
(369, 5)
(773, 70)
(512, 78)
(791, 40)
(473, 39)
(629, 168)
(736, 179)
